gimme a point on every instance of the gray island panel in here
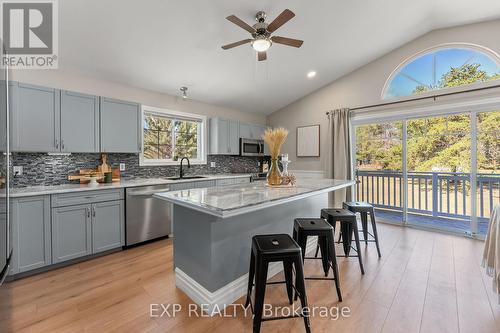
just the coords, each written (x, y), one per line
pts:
(213, 228)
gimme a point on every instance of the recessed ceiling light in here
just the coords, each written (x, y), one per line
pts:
(311, 74)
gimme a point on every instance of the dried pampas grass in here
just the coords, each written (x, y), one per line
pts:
(274, 138)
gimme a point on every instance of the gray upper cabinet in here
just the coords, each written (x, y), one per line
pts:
(251, 131)
(107, 226)
(258, 131)
(219, 129)
(31, 238)
(35, 118)
(79, 122)
(234, 137)
(245, 131)
(71, 232)
(224, 136)
(120, 126)
(50, 120)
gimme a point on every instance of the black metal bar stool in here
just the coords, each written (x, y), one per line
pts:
(364, 208)
(275, 248)
(303, 228)
(348, 227)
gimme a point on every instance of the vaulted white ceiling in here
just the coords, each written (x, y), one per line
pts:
(162, 45)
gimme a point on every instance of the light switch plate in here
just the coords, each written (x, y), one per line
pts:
(212, 164)
(122, 166)
(18, 170)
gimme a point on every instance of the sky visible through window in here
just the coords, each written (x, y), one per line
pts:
(428, 72)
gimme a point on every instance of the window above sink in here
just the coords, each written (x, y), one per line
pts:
(169, 135)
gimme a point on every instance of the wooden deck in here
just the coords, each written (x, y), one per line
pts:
(454, 225)
(424, 282)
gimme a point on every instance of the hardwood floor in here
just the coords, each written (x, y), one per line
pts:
(424, 282)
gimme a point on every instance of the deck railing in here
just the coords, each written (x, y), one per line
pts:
(445, 194)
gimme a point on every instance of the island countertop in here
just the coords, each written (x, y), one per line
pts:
(232, 200)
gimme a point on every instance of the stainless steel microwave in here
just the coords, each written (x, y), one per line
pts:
(249, 147)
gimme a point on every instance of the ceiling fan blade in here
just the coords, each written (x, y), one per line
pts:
(262, 56)
(241, 24)
(241, 42)
(282, 18)
(287, 41)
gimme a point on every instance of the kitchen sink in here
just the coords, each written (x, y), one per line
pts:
(186, 177)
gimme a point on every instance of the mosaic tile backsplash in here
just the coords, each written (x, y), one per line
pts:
(44, 169)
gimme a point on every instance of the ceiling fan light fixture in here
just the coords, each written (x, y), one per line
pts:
(261, 44)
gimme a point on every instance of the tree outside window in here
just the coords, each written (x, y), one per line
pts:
(169, 138)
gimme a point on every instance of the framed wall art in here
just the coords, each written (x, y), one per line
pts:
(308, 141)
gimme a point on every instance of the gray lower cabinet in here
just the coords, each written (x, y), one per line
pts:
(233, 181)
(107, 226)
(120, 126)
(205, 183)
(71, 232)
(85, 223)
(80, 230)
(31, 236)
(35, 118)
(79, 122)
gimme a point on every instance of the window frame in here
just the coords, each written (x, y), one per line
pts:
(203, 135)
(475, 85)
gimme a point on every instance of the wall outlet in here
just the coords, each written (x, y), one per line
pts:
(258, 164)
(18, 170)
(212, 164)
(122, 166)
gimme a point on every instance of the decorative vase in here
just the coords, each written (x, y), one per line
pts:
(274, 174)
(284, 172)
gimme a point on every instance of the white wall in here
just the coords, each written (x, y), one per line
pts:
(364, 86)
(75, 81)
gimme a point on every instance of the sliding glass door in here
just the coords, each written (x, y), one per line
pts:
(437, 172)
(379, 167)
(487, 168)
(438, 162)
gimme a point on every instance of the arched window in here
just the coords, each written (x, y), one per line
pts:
(442, 67)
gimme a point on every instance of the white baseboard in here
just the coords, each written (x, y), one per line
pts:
(217, 300)
(316, 174)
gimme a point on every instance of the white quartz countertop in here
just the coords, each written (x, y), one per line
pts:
(66, 188)
(232, 200)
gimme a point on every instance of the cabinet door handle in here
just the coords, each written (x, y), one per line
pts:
(62, 144)
(57, 144)
(87, 212)
(93, 211)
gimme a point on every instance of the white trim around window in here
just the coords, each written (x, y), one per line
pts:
(177, 115)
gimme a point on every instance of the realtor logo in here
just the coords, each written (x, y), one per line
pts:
(29, 34)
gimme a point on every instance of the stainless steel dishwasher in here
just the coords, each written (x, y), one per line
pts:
(146, 217)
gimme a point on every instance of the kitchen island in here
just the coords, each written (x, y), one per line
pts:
(213, 228)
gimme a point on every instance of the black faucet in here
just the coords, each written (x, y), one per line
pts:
(181, 172)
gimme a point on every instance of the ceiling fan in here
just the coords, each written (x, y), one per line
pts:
(261, 32)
